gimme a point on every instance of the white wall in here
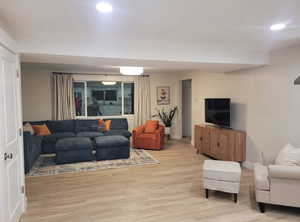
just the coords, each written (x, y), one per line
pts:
(171, 80)
(265, 103)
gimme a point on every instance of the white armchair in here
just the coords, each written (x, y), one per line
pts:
(276, 184)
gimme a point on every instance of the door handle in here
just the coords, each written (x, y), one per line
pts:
(8, 156)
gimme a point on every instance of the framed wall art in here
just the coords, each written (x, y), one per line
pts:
(163, 95)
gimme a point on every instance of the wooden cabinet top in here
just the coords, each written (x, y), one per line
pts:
(222, 129)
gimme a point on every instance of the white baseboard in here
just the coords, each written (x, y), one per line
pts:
(248, 165)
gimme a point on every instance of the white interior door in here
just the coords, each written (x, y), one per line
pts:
(10, 139)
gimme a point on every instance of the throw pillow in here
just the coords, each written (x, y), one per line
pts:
(28, 128)
(101, 125)
(41, 130)
(107, 124)
(100, 122)
(288, 156)
(151, 126)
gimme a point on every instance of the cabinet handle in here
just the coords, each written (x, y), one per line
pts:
(218, 144)
(200, 138)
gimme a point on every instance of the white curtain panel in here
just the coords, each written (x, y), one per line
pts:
(142, 101)
(63, 97)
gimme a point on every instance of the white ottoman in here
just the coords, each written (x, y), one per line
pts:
(222, 176)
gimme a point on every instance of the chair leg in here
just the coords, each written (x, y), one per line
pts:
(235, 197)
(206, 193)
(262, 207)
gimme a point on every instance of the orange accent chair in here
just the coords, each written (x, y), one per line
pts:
(149, 136)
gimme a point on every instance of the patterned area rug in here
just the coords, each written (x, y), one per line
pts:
(45, 165)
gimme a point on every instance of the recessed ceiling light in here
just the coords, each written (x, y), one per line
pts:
(277, 27)
(104, 7)
(131, 70)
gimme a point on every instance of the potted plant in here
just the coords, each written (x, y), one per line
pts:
(166, 117)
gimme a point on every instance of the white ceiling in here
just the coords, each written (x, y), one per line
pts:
(195, 33)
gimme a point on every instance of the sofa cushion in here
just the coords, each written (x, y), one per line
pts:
(125, 133)
(61, 126)
(87, 125)
(151, 126)
(35, 122)
(118, 123)
(76, 143)
(111, 141)
(53, 138)
(261, 176)
(288, 156)
(89, 134)
(222, 170)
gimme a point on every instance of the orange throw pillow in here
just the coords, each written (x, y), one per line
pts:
(41, 130)
(151, 126)
(100, 122)
(107, 125)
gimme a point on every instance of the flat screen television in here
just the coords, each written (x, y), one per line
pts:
(217, 111)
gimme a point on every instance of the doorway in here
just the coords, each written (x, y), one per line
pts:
(187, 109)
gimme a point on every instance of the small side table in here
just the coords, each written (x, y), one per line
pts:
(223, 176)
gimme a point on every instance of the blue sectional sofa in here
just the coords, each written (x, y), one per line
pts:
(36, 145)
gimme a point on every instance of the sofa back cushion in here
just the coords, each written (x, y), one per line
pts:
(151, 126)
(118, 124)
(288, 156)
(87, 125)
(61, 126)
(35, 122)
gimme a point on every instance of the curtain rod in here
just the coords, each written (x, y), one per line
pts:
(95, 74)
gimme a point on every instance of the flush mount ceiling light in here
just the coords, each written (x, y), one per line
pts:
(277, 27)
(104, 7)
(108, 83)
(131, 70)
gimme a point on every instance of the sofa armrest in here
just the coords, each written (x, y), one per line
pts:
(284, 172)
(160, 130)
(267, 158)
(139, 130)
(261, 177)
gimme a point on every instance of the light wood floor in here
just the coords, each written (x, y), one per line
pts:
(170, 191)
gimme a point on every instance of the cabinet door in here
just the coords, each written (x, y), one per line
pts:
(214, 142)
(199, 138)
(197, 141)
(240, 146)
(206, 140)
(223, 148)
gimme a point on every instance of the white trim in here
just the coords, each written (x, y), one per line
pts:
(122, 98)
(105, 117)
(85, 99)
(7, 42)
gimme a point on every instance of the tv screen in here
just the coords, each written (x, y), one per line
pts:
(110, 95)
(217, 111)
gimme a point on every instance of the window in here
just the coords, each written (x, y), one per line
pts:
(79, 95)
(104, 100)
(128, 98)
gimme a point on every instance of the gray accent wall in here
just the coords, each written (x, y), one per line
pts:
(36, 94)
